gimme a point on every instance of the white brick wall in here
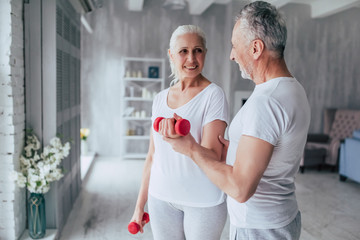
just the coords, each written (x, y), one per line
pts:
(12, 117)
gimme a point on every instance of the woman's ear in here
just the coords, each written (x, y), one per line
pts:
(170, 55)
(257, 48)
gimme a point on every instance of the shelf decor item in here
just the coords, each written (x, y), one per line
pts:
(153, 72)
(37, 170)
(84, 133)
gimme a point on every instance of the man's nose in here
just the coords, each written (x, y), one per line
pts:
(232, 55)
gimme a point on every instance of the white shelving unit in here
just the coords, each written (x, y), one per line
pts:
(141, 80)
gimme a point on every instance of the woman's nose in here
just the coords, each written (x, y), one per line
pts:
(191, 57)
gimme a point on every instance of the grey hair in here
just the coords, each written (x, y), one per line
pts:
(179, 31)
(261, 20)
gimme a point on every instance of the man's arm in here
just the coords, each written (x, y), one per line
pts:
(210, 133)
(239, 181)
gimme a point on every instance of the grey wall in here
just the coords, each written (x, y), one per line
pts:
(120, 33)
(321, 53)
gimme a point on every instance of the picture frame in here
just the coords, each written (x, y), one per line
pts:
(153, 72)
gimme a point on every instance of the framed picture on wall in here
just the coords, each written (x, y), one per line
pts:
(153, 72)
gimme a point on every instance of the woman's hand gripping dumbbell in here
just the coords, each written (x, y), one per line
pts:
(134, 228)
(182, 126)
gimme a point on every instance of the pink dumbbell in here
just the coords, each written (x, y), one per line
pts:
(134, 228)
(182, 126)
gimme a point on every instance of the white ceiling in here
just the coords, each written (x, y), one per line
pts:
(319, 8)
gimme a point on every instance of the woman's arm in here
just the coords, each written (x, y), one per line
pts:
(211, 132)
(143, 192)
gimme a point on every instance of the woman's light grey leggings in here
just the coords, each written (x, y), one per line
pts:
(177, 222)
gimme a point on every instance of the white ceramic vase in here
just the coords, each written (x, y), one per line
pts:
(84, 148)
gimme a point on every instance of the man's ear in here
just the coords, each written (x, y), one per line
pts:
(257, 48)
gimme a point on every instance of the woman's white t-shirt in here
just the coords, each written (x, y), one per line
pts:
(175, 177)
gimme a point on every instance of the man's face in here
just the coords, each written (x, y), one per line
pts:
(240, 52)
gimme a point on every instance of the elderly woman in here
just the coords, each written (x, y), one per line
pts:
(182, 201)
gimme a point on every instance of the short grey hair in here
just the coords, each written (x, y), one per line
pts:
(179, 31)
(263, 21)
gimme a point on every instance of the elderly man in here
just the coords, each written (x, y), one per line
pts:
(266, 137)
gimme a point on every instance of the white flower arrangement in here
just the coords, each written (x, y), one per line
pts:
(38, 170)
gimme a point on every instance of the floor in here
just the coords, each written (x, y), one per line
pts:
(330, 208)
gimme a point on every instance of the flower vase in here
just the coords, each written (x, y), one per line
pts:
(84, 148)
(36, 216)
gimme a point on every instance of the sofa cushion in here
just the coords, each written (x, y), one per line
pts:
(346, 121)
(317, 137)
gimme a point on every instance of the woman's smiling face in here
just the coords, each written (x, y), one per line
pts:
(188, 55)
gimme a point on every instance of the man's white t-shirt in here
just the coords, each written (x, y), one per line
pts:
(277, 112)
(174, 177)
